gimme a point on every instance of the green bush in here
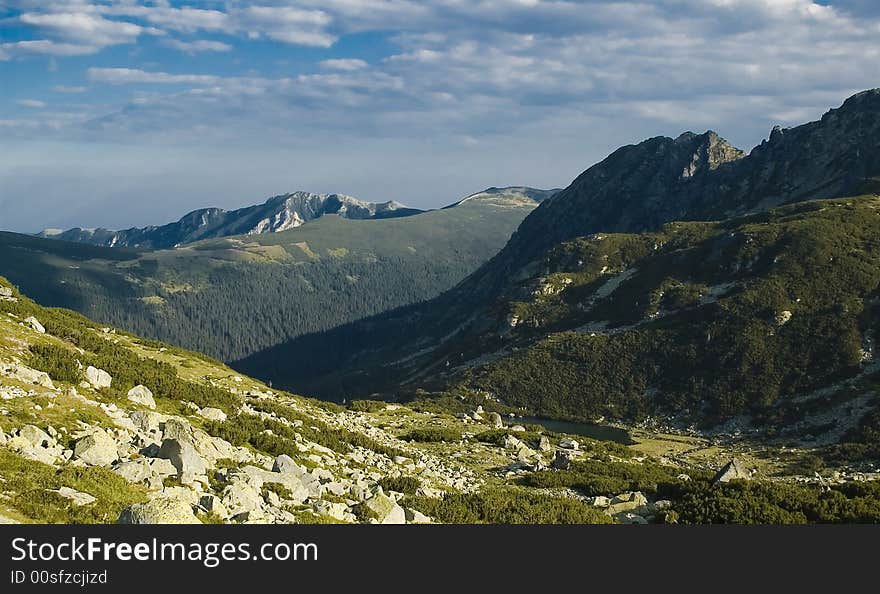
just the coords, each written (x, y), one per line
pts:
(401, 484)
(367, 406)
(509, 506)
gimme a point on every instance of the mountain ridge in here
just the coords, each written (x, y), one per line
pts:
(276, 214)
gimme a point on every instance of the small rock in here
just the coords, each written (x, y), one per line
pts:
(383, 509)
(212, 414)
(518, 428)
(414, 516)
(142, 395)
(284, 464)
(36, 436)
(569, 444)
(213, 505)
(35, 324)
(78, 498)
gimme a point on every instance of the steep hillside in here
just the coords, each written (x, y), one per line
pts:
(637, 188)
(233, 296)
(99, 426)
(278, 213)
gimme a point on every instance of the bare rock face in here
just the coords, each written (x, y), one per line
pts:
(35, 324)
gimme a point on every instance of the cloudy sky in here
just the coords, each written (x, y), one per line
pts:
(130, 112)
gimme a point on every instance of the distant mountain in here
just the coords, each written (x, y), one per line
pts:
(636, 189)
(233, 296)
(279, 213)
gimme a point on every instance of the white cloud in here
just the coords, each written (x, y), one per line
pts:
(124, 76)
(36, 104)
(197, 46)
(69, 89)
(46, 47)
(344, 64)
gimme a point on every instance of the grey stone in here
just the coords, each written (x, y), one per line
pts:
(544, 444)
(145, 421)
(240, 498)
(161, 510)
(212, 414)
(569, 444)
(98, 378)
(97, 449)
(35, 324)
(495, 420)
(213, 505)
(287, 465)
(733, 470)
(383, 510)
(77, 497)
(414, 516)
(36, 436)
(184, 457)
(143, 396)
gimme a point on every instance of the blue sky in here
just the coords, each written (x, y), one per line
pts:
(130, 112)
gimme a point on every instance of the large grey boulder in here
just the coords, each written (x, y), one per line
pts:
(161, 510)
(143, 396)
(142, 469)
(97, 449)
(98, 378)
(733, 470)
(184, 457)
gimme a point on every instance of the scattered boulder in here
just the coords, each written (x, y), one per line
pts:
(77, 497)
(733, 470)
(544, 444)
(3, 437)
(26, 375)
(212, 414)
(145, 421)
(240, 498)
(383, 510)
(495, 420)
(287, 465)
(184, 457)
(97, 449)
(161, 510)
(782, 318)
(562, 460)
(569, 444)
(512, 443)
(213, 505)
(518, 428)
(35, 324)
(98, 378)
(414, 516)
(143, 396)
(36, 436)
(630, 518)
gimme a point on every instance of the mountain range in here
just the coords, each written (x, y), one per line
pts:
(622, 260)
(278, 213)
(232, 296)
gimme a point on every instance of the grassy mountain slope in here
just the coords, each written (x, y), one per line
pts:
(233, 296)
(636, 189)
(74, 452)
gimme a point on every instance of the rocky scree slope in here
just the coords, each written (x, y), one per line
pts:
(97, 425)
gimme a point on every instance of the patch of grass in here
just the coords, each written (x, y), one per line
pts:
(27, 483)
(401, 484)
(433, 435)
